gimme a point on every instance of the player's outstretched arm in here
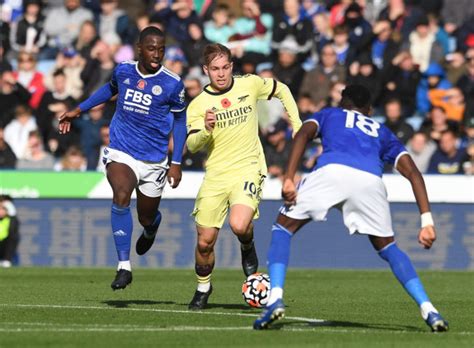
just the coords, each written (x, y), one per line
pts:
(198, 138)
(283, 93)
(408, 169)
(66, 119)
(302, 137)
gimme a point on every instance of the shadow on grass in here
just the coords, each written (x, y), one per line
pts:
(342, 324)
(126, 303)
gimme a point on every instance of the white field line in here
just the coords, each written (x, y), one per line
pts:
(309, 320)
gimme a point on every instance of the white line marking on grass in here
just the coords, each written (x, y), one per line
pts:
(309, 320)
(123, 329)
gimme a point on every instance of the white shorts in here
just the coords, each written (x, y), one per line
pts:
(360, 196)
(151, 177)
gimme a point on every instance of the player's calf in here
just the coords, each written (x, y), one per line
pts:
(147, 238)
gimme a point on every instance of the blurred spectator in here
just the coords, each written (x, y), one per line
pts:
(114, 25)
(7, 156)
(253, 30)
(17, 131)
(72, 65)
(98, 70)
(382, 47)
(192, 88)
(441, 37)
(63, 24)
(58, 143)
(317, 82)
(175, 60)
(468, 161)
(364, 73)
(89, 126)
(72, 160)
(219, 30)
(341, 43)
(466, 81)
(432, 78)
(447, 159)
(57, 94)
(306, 107)
(36, 158)
(394, 121)
(277, 149)
(335, 95)
(310, 8)
(193, 50)
(451, 100)
(337, 12)
(322, 31)
(423, 46)
(421, 148)
(437, 123)
(176, 19)
(269, 111)
(27, 33)
(401, 80)
(454, 13)
(292, 25)
(402, 16)
(86, 39)
(360, 31)
(12, 94)
(287, 68)
(105, 141)
(455, 67)
(29, 77)
(9, 232)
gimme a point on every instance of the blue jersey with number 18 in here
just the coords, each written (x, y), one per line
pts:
(355, 140)
(143, 121)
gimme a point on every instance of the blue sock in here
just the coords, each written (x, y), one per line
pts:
(151, 229)
(404, 271)
(122, 227)
(279, 255)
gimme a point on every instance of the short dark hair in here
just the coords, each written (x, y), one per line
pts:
(212, 51)
(151, 30)
(356, 96)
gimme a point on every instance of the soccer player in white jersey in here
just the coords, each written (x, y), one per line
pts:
(348, 176)
(150, 105)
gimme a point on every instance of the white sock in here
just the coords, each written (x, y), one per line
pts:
(275, 294)
(204, 287)
(124, 265)
(426, 308)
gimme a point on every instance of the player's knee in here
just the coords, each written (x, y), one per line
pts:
(122, 198)
(240, 228)
(205, 247)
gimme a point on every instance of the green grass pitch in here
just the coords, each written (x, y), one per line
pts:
(75, 307)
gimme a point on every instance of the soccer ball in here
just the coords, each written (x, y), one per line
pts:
(256, 289)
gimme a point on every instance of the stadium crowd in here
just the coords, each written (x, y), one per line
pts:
(416, 57)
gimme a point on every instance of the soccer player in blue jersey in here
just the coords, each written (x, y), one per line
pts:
(347, 176)
(150, 104)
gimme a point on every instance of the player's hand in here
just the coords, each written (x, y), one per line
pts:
(427, 236)
(66, 119)
(288, 191)
(210, 120)
(174, 175)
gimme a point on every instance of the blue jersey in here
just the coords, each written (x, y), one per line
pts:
(142, 121)
(355, 140)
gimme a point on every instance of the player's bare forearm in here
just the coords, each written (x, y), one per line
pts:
(174, 175)
(65, 120)
(302, 137)
(408, 169)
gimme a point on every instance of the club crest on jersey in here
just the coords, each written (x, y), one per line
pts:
(141, 84)
(225, 103)
(243, 98)
(156, 90)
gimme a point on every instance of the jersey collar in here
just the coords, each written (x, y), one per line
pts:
(207, 90)
(148, 75)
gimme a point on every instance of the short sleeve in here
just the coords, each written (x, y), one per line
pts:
(318, 118)
(177, 98)
(391, 148)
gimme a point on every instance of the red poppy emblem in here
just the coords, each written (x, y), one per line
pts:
(141, 84)
(225, 103)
